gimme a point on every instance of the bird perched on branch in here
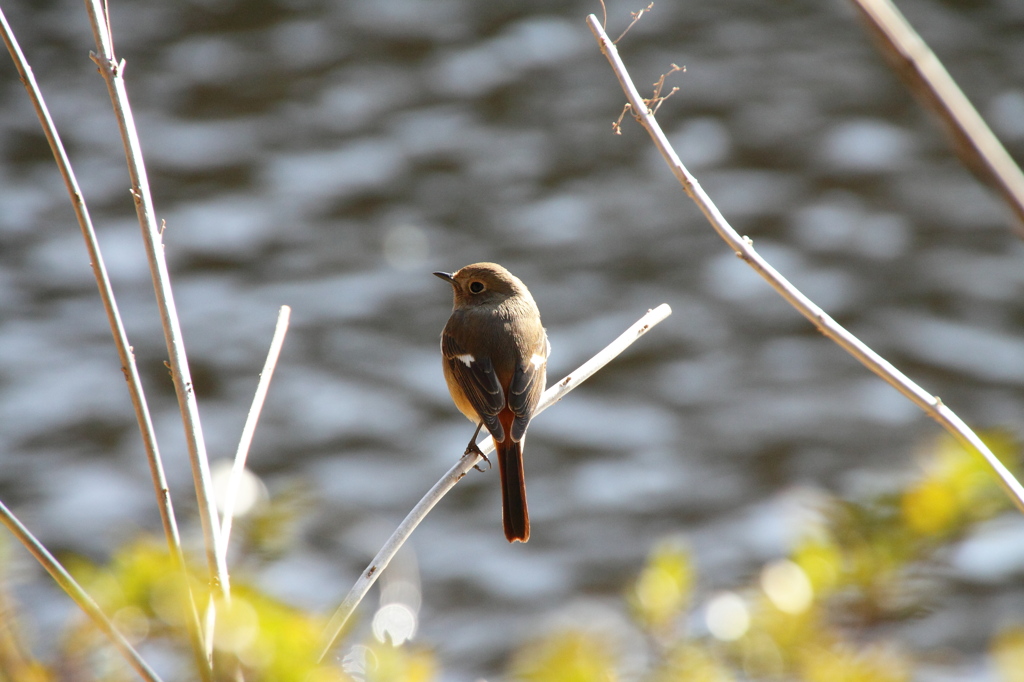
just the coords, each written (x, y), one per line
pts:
(495, 353)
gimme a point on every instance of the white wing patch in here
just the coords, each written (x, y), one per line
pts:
(466, 359)
(537, 361)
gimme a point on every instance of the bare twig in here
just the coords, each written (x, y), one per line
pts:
(125, 354)
(658, 99)
(238, 467)
(75, 591)
(617, 124)
(975, 143)
(636, 17)
(467, 462)
(744, 248)
(112, 72)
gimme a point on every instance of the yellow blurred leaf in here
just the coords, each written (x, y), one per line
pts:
(570, 656)
(662, 591)
(821, 561)
(694, 664)
(387, 663)
(1008, 654)
(930, 508)
(842, 663)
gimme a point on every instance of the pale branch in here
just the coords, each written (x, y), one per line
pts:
(112, 71)
(744, 248)
(552, 395)
(75, 591)
(124, 351)
(242, 454)
(925, 76)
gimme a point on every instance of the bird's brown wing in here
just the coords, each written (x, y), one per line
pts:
(527, 385)
(478, 381)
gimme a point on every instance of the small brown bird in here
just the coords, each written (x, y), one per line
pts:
(495, 353)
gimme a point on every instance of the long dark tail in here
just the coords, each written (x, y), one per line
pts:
(514, 516)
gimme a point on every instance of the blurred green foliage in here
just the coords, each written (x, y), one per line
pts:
(569, 656)
(809, 617)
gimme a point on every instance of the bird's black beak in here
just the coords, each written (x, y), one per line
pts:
(446, 276)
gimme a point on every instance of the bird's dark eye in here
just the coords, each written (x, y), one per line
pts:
(475, 287)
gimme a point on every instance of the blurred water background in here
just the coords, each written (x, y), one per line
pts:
(330, 155)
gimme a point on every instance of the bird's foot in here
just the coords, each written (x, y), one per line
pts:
(473, 449)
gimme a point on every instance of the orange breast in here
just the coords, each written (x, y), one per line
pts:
(458, 397)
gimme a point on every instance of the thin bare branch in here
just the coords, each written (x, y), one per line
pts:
(467, 462)
(617, 124)
(124, 351)
(112, 72)
(919, 67)
(657, 98)
(238, 467)
(75, 591)
(636, 17)
(744, 248)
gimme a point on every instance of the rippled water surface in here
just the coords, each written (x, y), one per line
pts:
(330, 155)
